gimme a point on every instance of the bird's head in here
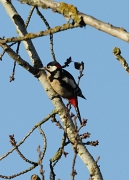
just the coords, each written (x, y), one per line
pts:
(53, 66)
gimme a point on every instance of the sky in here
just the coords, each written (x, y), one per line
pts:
(105, 84)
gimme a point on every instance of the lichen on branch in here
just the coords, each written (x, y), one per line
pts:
(69, 12)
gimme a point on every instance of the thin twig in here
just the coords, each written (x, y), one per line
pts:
(5, 155)
(42, 153)
(12, 78)
(14, 67)
(20, 61)
(98, 158)
(13, 142)
(58, 154)
(45, 143)
(25, 159)
(18, 174)
(84, 122)
(38, 124)
(29, 16)
(40, 163)
(52, 174)
(85, 135)
(18, 44)
(92, 143)
(80, 71)
(73, 165)
(2, 54)
(117, 54)
(56, 157)
(51, 35)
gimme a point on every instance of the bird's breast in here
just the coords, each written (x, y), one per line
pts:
(62, 91)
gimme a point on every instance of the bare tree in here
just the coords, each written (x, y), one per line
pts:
(69, 126)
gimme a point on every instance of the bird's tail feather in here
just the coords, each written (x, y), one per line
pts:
(78, 114)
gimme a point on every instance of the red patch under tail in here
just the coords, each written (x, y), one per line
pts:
(73, 100)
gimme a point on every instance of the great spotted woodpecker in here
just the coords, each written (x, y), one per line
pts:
(64, 84)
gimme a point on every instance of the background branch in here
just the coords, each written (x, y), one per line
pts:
(21, 30)
(117, 54)
(51, 35)
(39, 34)
(118, 32)
(29, 133)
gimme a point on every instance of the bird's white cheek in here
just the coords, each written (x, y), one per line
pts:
(53, 68)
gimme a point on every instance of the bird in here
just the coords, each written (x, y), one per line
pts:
(64, 84)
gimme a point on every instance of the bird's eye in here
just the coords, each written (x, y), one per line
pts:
(48, 67)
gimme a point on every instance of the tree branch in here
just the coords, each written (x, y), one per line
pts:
(21, 30)
(118, 32)
(39, 34)
(19, 60)
(117, 54)
(57, 102)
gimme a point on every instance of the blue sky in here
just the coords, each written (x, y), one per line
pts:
(105, 85)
